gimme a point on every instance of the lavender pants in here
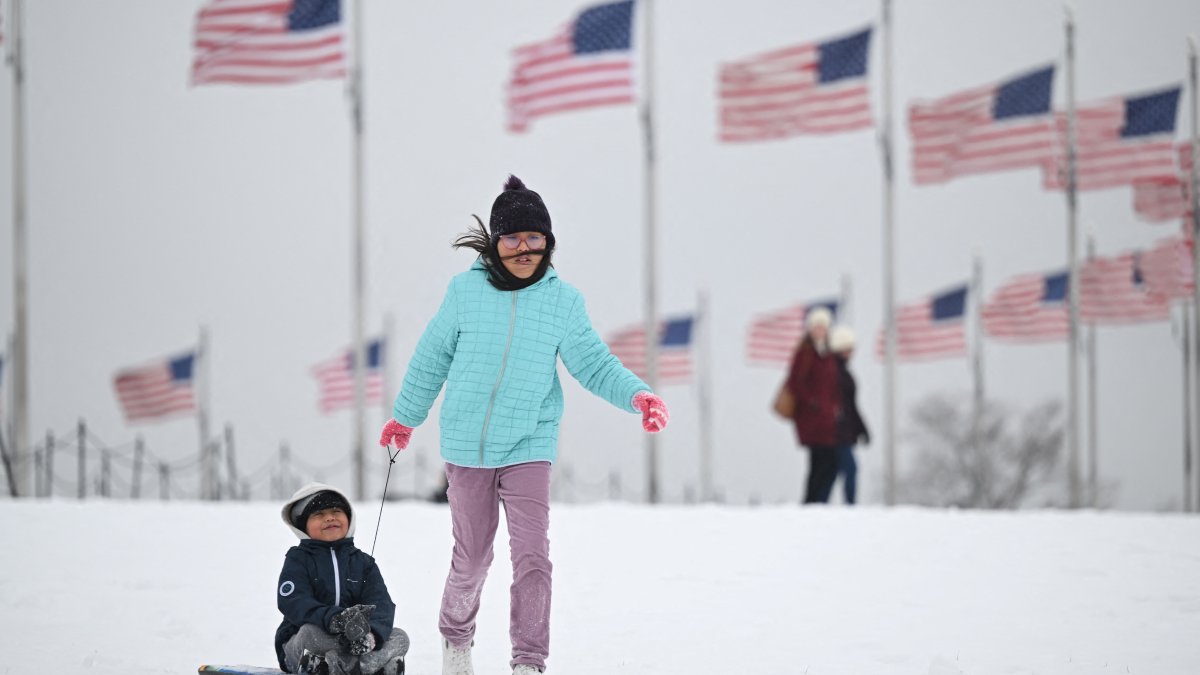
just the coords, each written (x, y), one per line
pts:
(475, 496)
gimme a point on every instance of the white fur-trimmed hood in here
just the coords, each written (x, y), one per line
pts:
(308, 490)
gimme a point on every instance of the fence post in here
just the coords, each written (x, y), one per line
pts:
(164, 482)
(39, 470)
(139, 448)
(82, 428)
(49, 463)
(105, 472)
(9, 459)
(231, 461)
(285, 460)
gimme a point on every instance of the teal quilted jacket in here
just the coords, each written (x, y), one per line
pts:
(497, 354)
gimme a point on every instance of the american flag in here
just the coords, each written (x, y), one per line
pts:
(1114, 291)
(1119, 142)
(160, 389)
(1168, 268)
(812, 88)
(992, 128)
(930, 329)
(1029, 308)
(1168, 197)
(335, 379)
(588, 63)
(674, 350)
(268, 42)
(1162, 199)
(773, 337)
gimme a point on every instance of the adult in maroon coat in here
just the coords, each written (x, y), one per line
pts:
(813, 381)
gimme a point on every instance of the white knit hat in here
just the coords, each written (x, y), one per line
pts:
(819, 316)
(841, 338)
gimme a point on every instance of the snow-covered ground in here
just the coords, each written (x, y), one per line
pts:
(138, 588)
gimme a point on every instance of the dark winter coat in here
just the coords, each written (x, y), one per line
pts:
(850, 425)
(320, 579)
(813, 381)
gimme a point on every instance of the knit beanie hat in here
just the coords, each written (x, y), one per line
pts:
(841, 338)
(519, 209)
(819, 316)
(325, 499)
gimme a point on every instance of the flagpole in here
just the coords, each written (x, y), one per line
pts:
(385, 348)
(1073, 459)
(845, 288)
(1093, 441)
(1195, 199)
(889, 268)
(1187, 409)
(357, 260)
(6, 391)
(6, 453)
(20, 354)
(703, 336)
(385, 402)
(200, 371)
(651, 275)
(976, 294)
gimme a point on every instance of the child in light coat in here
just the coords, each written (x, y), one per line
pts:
(494, 345)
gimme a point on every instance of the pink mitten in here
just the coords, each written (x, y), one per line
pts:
(395, 434)
(654, 411)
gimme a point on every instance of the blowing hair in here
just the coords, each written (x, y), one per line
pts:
(477, 239)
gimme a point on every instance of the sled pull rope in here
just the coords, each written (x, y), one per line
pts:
(383, 499)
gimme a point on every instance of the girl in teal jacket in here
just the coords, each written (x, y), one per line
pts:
(494, 344)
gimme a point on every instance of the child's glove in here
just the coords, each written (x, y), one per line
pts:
(395, 434)
(360, 646)
(654, 411)
(352, 623)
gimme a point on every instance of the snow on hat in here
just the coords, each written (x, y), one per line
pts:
(841, 338)
(819, 316)
(519, 209)
(317, 501)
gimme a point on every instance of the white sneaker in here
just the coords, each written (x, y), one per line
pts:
(456, 660)
(525, 669)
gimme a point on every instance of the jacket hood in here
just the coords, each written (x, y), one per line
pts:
(308, 490)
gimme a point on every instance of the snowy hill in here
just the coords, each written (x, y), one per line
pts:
(134, 589)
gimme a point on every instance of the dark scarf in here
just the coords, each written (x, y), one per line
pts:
(502, 279)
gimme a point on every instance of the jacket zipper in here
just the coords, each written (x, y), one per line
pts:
(337, 581)
(512, 321)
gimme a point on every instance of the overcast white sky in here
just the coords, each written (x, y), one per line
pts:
(156, 209)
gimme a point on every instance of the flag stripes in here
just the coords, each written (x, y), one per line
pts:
(268, 42)
(335, 379)
(1118, 142)
(932, 328)
(586, 64)
(157, 390)
(810, 88)
(990, 128)
(1028, 308)
(1166, 197)
(1112, 290)
(674, 350)
(1168, 268)
(773, 337)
